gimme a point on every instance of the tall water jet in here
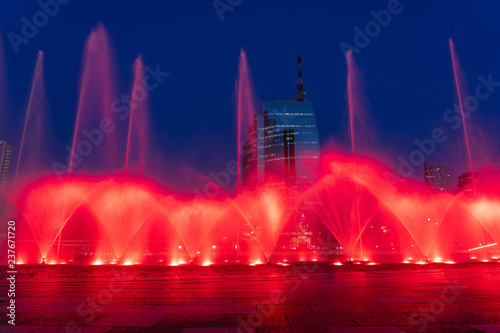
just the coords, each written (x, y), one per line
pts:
(361, 134)
(138, 128)
(30, 162)
(461, 91)
(343, 202)
(96, 136)
(131, 217)
(246, 105)
(359, 130)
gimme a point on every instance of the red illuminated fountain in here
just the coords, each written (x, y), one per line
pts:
(96, 144)
(266, 212)
(246, 104)
(109, 195)
(30, 161)
(343, 200)
(47, 209)
(138, 144)
(122, 209)
(193, 220)
(345, 205)
(461, 92)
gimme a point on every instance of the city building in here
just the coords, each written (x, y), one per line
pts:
(5, 155)
(283, 144)
(283, 148)
(467, 182)
(437, 177)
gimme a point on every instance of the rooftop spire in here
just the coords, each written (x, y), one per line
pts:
(300, 86)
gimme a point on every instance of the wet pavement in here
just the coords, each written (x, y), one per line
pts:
(307, 297)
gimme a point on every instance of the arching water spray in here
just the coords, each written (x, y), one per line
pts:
(459, 88)
(31, 149)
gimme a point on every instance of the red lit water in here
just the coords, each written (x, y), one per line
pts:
(97, 108)
(31, 152)
(138, 128)
(461, 91)
(361, 133)
(350, 191)
(266, 212)
(110, 210)
(246, 105)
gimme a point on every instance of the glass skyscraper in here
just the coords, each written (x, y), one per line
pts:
(283, 146)
(437, 177)
(5, 155)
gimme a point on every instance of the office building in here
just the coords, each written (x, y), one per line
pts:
(467, 182)
(437, 177)
(5, 156)
(283, 144)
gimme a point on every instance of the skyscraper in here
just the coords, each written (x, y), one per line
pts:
(5, 155)
(467, 182)
(283, 144)
(437, 177)
(283, 148)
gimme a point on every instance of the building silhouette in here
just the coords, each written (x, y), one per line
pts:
(283, 144)
(467, 182)
(5, 156)
(283, 148)
(437, 177)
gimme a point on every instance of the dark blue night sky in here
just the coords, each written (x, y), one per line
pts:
(407, 66)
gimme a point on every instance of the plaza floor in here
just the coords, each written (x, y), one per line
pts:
(267, 298)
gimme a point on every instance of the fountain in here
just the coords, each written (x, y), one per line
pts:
(48, 208)
(266, 212)
(361, 134)
(96, 138)
(30, 161)
(461, 92)
(246, 106)
(133, 218)
(137, 141)
(122, 208)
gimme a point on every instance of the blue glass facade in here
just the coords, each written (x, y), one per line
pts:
(5, 155)
(283, 145)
